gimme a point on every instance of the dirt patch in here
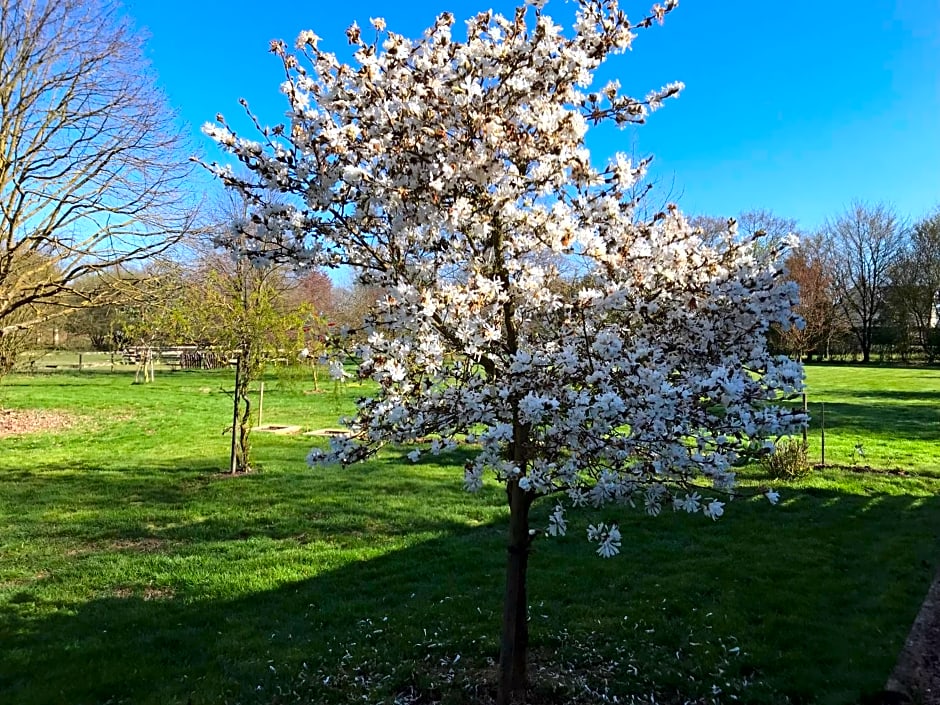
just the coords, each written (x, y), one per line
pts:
(144, 545)
(862, 469)
(15, 422)
(148, 594)
(277, 429)
(155, 593)
(330, 432)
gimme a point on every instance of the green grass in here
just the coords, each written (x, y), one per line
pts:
(891, 414)
(133, 571)
(42, 360)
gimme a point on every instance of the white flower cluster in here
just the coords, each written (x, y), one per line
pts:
(608, 538)
(454, 176)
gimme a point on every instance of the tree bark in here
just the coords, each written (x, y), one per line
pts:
(515, 640)
(233, 458)
(246, 366)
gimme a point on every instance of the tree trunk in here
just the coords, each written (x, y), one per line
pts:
(233, 458)
(244, 431)
(244, 410)
(515, 640)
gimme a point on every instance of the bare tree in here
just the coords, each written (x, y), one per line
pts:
(711, 228)
(760, 223)
(92, 167)
(916, 285)
(352, 304)
(774, 228)
(864, 243)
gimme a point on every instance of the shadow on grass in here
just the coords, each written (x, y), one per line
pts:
(819, 592)
(893, 395)
(78, 503)
(875, 365)
(913, 422)
(76, 379)
(87, 472)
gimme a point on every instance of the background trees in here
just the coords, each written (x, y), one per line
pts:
(239, 306)
(864, 244)
(914, 296)
(92, 168)
(766, 225)
(868, 284)
(809, 268)
(750, 223)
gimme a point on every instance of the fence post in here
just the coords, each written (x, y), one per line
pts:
(805, 429)
(823, 418)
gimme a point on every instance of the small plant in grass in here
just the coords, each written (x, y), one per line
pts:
(788, 461)
(858, 453)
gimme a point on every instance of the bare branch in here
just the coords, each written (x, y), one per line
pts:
(92, 166)
(864, 244)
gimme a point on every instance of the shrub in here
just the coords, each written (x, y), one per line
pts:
(788, 460)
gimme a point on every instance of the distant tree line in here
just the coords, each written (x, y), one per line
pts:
(869, 283)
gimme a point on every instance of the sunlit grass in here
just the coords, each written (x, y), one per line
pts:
(133, 570)
(885, 418)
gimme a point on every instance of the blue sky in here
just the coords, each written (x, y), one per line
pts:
(796, 106)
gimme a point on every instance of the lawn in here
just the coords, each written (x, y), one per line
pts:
(133, 571)
(883, 417)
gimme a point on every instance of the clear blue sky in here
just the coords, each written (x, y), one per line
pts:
(796, 106)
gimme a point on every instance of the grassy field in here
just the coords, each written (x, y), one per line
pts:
(133, 571)
(886, 418)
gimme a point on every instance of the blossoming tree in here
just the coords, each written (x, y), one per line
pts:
(453, 174)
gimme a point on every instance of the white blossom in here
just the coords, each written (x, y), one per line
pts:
(453, 176)
(305, 38)
(473, 479)
(691, 503)
(714, 509)
(608, 538)
(336, 370)
(557, 526)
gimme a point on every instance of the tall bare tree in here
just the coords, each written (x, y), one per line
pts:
(915, 294)
(762, 220)
(711, 228)
(92, 166)
(761, 223)
(864, 243)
